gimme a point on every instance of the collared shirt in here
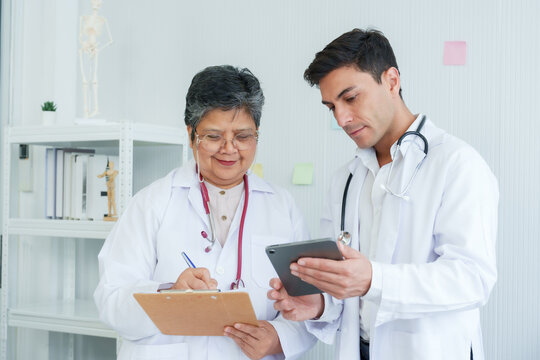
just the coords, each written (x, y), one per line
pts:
(370, 204)
(371, 199)
(224, 203)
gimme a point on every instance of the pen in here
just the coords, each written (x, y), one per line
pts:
(188, 261)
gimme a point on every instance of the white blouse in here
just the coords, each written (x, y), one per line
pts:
(223, 203)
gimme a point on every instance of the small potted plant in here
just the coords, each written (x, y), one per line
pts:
(48, 113)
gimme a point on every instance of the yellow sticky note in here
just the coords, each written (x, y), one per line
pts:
(303, 174)
(258, 170)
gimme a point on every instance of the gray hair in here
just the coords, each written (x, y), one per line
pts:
(223, 87)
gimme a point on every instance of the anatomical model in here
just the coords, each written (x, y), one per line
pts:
(90, 30)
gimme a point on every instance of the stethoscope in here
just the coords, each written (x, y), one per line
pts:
(344, 236)
(206, 202)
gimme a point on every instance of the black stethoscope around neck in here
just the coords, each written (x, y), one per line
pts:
(344, 236)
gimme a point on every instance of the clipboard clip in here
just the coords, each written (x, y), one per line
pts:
(201, 291)
(236, 284)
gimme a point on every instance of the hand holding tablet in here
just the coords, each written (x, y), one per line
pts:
(282, 255)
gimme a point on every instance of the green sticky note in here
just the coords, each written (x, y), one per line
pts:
(303, 174)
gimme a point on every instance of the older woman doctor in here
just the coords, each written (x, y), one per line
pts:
(220, 216)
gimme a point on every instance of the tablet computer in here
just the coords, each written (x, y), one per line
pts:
(282, 255)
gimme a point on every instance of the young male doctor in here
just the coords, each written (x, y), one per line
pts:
(419, 217)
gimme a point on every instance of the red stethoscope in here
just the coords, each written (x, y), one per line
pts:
(206, 202)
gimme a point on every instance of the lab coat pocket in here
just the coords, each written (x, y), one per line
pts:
(131, 351)
(413, 345)
(261, 267)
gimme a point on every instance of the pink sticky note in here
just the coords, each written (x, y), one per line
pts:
(455, 52)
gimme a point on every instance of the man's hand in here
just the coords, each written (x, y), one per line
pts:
(342, 279)
(297, 308)
(195, 279)
(255, 341)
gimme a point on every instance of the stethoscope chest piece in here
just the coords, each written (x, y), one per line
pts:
(344, 237)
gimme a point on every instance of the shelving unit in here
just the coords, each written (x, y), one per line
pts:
(65, 311)
(74, 317)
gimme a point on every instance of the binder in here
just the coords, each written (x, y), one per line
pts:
(192, 313)
(50, 185)
(59, 177)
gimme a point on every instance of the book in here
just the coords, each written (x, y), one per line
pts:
(67, 211)
(79, 163)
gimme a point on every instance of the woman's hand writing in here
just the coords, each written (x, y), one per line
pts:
(195, 279)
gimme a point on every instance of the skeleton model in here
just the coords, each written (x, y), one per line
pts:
(90, 29)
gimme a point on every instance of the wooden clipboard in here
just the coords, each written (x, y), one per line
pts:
(197, 313)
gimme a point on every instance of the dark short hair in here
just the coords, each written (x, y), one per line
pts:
(223, 87)
(367, 50)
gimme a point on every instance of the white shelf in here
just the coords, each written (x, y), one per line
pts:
(96, 133)
(60, 228)
(129, 141)
(74, 317)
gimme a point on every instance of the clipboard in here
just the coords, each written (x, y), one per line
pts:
(197, 313)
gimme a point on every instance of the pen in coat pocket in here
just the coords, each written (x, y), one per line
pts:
(188, 261)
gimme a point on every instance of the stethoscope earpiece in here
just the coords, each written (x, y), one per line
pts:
(212, 241)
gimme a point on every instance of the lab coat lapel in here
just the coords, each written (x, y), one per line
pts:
(195, 200)
(232, 236)
(187, 177)
(350, 327)
(359, 172)
(409, 157)
(353, 198)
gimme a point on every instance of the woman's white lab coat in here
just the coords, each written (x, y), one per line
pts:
(144, 251)
(435, 254)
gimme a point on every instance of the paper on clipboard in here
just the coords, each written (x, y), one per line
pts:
(197, 313)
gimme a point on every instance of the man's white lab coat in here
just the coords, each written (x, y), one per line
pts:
(435, 254)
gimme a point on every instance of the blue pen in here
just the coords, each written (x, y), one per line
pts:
(188, 261)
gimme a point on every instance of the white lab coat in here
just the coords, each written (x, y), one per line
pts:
(144, 251)
(435, 254)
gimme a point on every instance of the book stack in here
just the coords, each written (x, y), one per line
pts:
(73, 190)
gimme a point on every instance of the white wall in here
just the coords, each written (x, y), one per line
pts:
(490, 102)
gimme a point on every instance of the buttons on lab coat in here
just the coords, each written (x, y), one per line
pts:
(220, 270)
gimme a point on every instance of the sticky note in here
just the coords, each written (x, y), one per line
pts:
(258, 170)
(335, 125)
(303, 174)
(455, 52)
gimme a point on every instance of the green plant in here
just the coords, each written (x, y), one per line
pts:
(48, 106)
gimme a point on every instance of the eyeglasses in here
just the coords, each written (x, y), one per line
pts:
(214, 141)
